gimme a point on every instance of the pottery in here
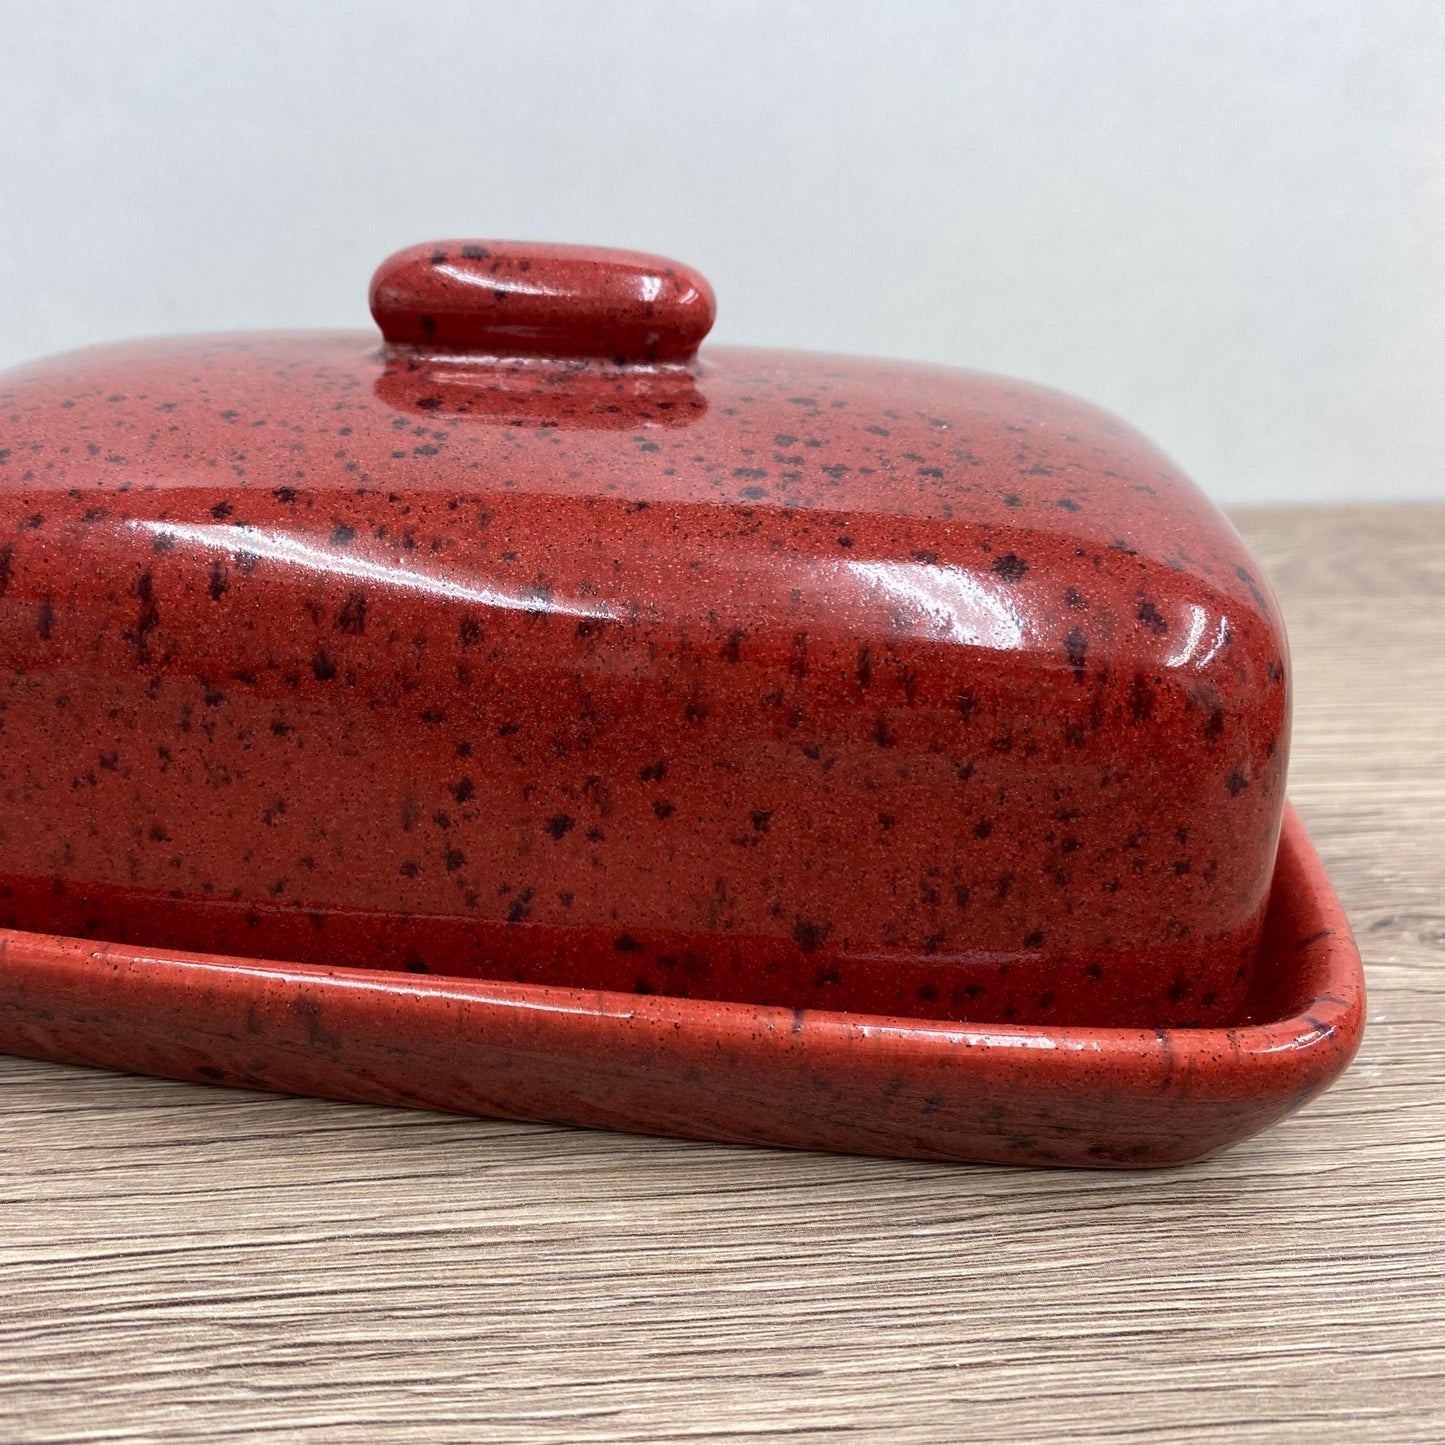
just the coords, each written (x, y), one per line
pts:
(530, 646)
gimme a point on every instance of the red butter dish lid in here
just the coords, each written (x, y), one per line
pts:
(526, 642)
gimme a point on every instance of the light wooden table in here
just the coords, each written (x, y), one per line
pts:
(184, 1263)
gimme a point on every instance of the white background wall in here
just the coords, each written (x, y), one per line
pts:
(1224, 219)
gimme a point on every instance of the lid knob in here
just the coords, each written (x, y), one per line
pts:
(517, 298)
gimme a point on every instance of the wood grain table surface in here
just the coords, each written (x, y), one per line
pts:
(182, 1263)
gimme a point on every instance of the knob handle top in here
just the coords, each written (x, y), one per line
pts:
(527, 299)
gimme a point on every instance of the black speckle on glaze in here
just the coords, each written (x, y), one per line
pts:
(352, 618)
(1076, 649)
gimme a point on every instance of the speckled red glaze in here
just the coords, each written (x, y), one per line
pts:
(764, 677)
(510, 298)
(900, 1086)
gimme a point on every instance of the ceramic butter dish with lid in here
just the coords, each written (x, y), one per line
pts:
(526, 663)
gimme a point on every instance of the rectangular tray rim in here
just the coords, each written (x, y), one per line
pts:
(1295, 1056)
